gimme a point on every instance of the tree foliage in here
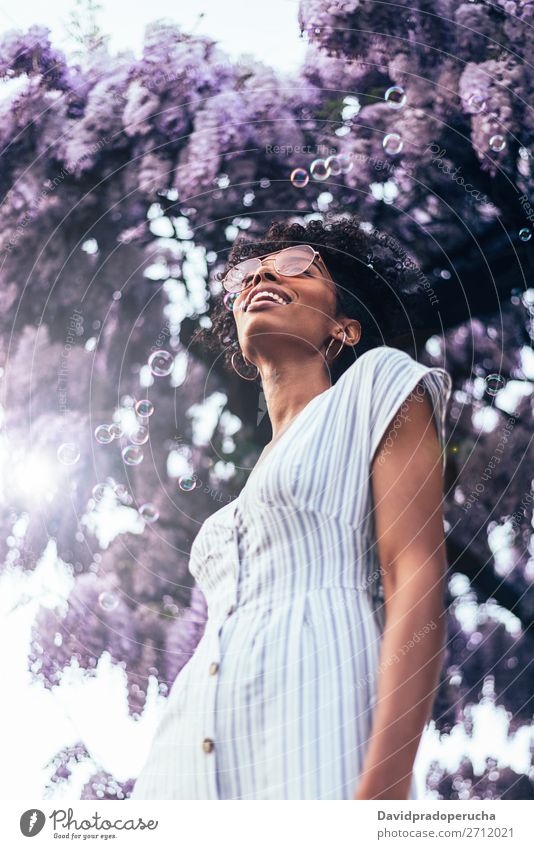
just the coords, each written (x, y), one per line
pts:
(124, 182)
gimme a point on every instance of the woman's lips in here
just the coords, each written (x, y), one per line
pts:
(263, 305)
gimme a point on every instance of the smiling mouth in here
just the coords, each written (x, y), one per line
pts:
(263, 303)
(267, 299)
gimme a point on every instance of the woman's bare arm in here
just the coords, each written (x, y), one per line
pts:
(407, 491)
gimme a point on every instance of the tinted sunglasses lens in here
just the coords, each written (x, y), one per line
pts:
(295, 260)
(235, 279)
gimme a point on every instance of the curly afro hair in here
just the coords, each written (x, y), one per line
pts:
(374, 277)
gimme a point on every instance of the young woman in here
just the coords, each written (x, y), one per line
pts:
(324, 579)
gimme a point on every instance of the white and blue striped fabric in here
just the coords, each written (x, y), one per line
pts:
(277, 700)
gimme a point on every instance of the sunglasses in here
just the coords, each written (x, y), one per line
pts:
(290, 262)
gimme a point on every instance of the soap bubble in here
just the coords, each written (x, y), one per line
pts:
(98, 492)
(477, 102)
(319, 170)
(149, 512)
(122, 493)
(115, 430)
(299, 178)
(187, 482)
(497, 143)
(108, 601)
(229, 300)
(144, 408)
(103, 435)
(333, 164)
(132, 455)
(68, 453)
(345, 162)
(395, 97)
(161, 363)
(494, 383)
(392, 143)
(140, 436)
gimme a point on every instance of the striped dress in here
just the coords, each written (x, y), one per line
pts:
(277, 700)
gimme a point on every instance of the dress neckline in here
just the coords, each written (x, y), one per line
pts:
(341, 380)
(289, 427)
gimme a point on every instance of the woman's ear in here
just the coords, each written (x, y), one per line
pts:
(353, 329)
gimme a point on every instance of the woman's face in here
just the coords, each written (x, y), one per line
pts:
(267, 329)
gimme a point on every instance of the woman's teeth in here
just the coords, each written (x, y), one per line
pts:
(267, 296)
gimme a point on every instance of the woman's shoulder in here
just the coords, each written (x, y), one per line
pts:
(384, 375)
(373, 361)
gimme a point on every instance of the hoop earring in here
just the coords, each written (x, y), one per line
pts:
(239, 373)
(340, 347)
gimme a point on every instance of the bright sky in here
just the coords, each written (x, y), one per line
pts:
(267, 30)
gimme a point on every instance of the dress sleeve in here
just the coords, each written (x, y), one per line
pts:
(396, 378)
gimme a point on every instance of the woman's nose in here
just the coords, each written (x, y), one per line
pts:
(263, 273)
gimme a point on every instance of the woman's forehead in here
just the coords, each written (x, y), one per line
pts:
(272, 253)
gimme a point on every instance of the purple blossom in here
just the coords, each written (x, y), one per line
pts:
(87, 152)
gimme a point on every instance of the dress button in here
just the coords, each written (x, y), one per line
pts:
(208, 745)
(214, 667)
